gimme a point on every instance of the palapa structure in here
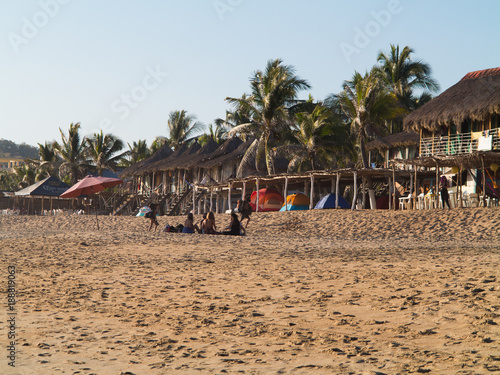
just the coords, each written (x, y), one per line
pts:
(460, 128)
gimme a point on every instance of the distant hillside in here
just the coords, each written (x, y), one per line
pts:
(12, 149)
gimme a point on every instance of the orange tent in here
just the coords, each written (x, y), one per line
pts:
(269, 200)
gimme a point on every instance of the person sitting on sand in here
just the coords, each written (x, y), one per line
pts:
(189, 225)
(152, 216)
(203, 223)
(210, 227)
(245, 209)
(235, 227)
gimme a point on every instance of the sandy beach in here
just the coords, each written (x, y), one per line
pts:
(309, 292)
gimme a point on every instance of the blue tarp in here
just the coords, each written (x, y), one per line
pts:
(328, 201)
(292, 207)
(49, 187)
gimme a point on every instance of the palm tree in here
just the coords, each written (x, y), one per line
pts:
(102, 151)
(273, 92)
(368, 105)
(26, 174)
(158, 142)
(72, 152)
(48, 160)
(8, 181)
(138, 151)
(218, 133)
(182, 128)
(319, 139)
(404, 75)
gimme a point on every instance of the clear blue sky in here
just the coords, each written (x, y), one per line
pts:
(123, 66)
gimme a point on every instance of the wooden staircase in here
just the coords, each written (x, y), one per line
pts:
(175, 206)
(189, 205)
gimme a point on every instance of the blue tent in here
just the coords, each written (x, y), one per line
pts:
(328, 201)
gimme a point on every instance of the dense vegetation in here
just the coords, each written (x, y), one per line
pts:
(310, 134)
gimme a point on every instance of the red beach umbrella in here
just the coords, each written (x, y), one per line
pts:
(91, 185)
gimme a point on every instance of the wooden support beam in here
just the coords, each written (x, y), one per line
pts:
(257, 202)
(311, 197)
(355, 191)
(337, 190)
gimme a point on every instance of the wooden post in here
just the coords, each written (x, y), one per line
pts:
(437, 185)
(244, 191)
(337, 190)
(286, 193)
(411, 190)
(390, 193)
(393, 187)
(311, 198)
(364, 193)
(257, 202)
(355, 191)
(229, 197)
(194, 200)
(211, 199)
(416, 187)
(484, 181)
(217, 202)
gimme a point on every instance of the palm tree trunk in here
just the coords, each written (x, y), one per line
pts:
(371, 191)
(269, 158)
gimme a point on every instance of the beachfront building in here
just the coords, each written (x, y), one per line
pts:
(460, 135)
(188, 177)
(10, 163)
(385, 150)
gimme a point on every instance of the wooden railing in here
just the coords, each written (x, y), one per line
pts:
(460, 144)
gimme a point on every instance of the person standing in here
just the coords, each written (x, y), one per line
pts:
(443, 189)
(245, 209)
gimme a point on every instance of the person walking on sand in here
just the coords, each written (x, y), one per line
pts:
(245, 209)
(152, 216)
(443, 189)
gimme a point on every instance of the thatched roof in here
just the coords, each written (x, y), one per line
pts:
(164, 164)
(220, 155)
(208, 148)
(474, 97)
(403, 139)
(163, 152)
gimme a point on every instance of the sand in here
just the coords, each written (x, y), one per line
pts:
(316, 292)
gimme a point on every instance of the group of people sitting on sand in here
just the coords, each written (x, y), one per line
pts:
(207, 225)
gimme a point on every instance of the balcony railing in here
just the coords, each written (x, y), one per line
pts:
(460, 144)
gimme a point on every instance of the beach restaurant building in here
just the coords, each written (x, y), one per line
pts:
(460, 132)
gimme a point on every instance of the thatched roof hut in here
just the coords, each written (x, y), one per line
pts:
(164, 164)
(208, 148)
(163, 152)
(476, 96)
(219, 156)
(403, 139)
